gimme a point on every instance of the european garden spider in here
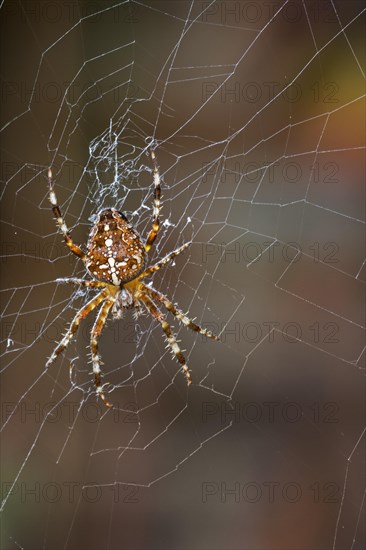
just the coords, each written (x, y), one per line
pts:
(116, 260)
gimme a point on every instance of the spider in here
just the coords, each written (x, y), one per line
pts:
(116, 259)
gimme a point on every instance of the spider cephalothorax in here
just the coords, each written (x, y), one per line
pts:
(116, 259)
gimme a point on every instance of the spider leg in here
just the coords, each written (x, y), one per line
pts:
(95, 334)
(75, 325)
(157, 192)
(82, 282)
(178, 313)
(60, 221)
(150, 270)
(156, 313)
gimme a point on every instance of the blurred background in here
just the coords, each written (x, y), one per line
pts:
(256, 113)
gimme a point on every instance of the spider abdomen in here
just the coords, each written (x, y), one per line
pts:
(115, 254)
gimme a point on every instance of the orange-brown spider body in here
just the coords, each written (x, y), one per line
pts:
(115, 253)
(116, 259)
